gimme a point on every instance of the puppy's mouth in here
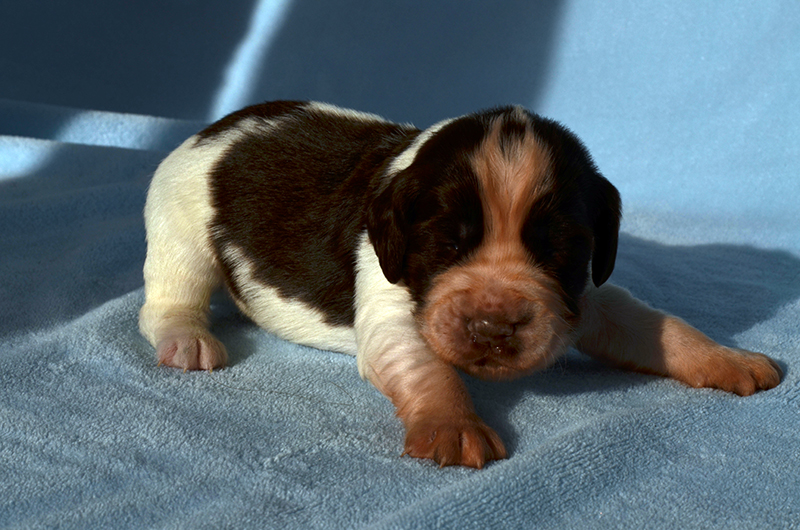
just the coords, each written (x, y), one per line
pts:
(502, 361)
(489, 354)
(490, 367)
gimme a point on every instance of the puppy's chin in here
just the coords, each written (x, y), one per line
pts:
(499, 368)
(496, 326)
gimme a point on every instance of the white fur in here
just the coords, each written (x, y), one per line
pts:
(343, 113)
(181, 270)
(428, 394)
(247, 126)
(385, 328)
(289, 319)
(406, 158)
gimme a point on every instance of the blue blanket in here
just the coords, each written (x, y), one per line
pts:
(692, 111)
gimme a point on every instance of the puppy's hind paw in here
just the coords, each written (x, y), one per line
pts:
(192, 352)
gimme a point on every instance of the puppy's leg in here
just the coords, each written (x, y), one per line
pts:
(180, 271)
(174, 317)
(435, 407)
(626, 332)
(429, 395)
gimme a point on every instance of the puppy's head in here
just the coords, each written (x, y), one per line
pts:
(492, 221)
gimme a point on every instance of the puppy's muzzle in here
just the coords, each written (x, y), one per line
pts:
(495, 331)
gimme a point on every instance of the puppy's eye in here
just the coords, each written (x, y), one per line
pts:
(460, 239)
(536, 234)
(463, 234)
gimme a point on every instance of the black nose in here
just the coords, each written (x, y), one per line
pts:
(490, 330)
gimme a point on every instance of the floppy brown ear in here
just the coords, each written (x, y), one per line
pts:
(606, 211)
(388, 222)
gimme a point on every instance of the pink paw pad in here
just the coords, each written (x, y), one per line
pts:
(192, 352)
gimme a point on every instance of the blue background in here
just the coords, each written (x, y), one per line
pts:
(691, 109)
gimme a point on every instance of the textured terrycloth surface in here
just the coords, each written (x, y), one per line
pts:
(693, 111)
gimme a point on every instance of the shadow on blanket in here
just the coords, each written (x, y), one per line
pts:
(722, 289)
(444, 44)
(73, 232)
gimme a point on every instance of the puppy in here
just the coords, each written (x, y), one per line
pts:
(481, 244)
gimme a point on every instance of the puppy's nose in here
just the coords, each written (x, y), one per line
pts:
(489, 330)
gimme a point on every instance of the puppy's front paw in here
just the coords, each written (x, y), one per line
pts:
(192, 351)
(739, 371)
(458, 441)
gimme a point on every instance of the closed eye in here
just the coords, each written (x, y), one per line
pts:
(466, 236)
(536, 235)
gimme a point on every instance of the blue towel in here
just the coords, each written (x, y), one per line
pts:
(693, 111)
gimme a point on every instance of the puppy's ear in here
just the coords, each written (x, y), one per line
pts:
(605, 209)
(388, 222)
(600, 197)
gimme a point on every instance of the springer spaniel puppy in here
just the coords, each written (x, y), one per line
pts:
(481, 244)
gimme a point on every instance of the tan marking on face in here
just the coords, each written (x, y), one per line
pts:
(499, 283)
(512, 178)
(512, 173)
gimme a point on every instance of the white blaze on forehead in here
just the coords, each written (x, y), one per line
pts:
(406, 158)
